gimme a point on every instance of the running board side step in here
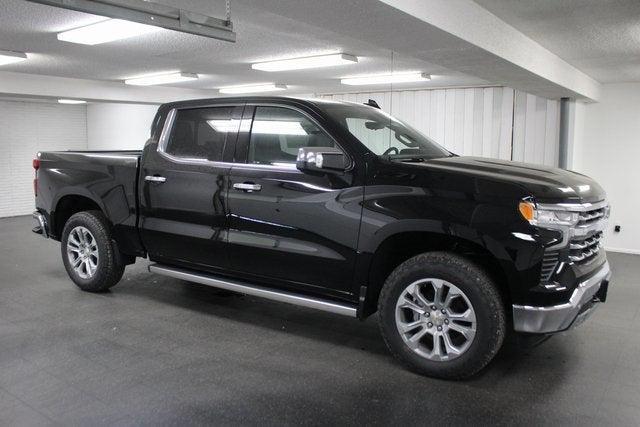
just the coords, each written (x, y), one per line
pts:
(255, 290)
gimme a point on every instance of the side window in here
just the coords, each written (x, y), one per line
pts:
(201, 133)
(277, 133)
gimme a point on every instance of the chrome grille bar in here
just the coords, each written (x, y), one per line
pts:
(581, 250)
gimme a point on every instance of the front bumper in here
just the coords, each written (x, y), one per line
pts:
(556, 318)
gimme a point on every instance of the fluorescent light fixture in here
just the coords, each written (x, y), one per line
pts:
(9, 57)
(224, 126)
(253, 88)
(307, 62)
(277, 127)
(106, 31)
(270, 127)
(378, 79)
(71, 101)
(161, 79)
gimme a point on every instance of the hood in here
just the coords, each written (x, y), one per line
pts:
(543, 182)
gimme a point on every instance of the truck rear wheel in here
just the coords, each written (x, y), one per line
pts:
(442, 315)
(89, 253)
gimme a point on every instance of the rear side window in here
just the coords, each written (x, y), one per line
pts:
(202, 133)
(277, 133)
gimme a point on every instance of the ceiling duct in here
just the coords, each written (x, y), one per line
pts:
(145, 12)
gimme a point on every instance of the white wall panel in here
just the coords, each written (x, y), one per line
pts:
(26, 128)
(536, 129)
(506, 125)
(489, 122)
(519, 126)
(552, 132)
(607, 148)
(119, 126)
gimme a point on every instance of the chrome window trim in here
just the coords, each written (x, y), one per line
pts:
(291, 167)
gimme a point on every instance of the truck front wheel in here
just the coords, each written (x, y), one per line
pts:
(89, 252)
(442, 315)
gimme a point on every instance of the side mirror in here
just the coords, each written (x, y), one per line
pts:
(321, 159)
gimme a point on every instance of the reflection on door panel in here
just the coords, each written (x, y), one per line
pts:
(305, 224)
(185, 215)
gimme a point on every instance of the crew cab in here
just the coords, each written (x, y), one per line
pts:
(339, 207)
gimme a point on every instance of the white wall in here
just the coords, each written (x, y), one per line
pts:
(25, 129)
(536, 129)
(118, 126)
(485, 122)
(608, 150)
(29, 127)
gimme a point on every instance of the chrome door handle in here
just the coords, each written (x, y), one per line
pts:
(244, 186)
(153, 178)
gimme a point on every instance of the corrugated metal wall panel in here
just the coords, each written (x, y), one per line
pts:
(490, 122)
(29, 127)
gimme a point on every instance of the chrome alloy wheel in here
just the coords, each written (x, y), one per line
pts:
(435, 319)
(82, 251)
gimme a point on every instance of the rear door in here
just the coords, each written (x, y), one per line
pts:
(183, 187)
(294, 228)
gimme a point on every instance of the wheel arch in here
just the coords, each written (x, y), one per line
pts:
(402, 245)
(69, 203)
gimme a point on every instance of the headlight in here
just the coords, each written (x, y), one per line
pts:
(546, 217)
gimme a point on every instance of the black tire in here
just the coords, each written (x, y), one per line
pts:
(480, 290)
(110, 265)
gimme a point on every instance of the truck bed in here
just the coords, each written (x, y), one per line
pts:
(106, 179)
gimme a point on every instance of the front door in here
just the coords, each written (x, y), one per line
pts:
(184, 183)
(286, 225)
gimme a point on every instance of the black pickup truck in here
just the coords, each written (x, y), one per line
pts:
(339, 207)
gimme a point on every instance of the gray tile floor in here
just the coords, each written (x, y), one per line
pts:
(160, 351)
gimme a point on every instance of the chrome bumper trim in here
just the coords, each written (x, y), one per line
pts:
(41, 225)
(544, 320)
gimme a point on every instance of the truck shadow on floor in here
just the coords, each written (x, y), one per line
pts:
(302, 322)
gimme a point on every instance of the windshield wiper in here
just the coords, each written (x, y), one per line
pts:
(407, 157)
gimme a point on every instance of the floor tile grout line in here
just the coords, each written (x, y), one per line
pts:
(28, 405)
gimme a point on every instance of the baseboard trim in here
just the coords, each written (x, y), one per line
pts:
(624, 251)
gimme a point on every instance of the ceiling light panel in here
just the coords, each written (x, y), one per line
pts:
(71, 101)
(9, 57)
(161, 79)
(379, 79)
(153, 13)
(106, 31)
(307, 62)
(254, 88)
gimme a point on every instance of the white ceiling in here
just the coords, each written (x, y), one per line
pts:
(261, 35)
(459, 35)
(600, 37)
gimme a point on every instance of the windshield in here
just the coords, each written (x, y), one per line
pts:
(383, 134)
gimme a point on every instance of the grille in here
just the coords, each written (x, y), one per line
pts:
(549, 262)
(589, 217)
(582, 250)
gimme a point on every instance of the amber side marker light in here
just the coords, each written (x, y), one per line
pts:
(527, 210)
